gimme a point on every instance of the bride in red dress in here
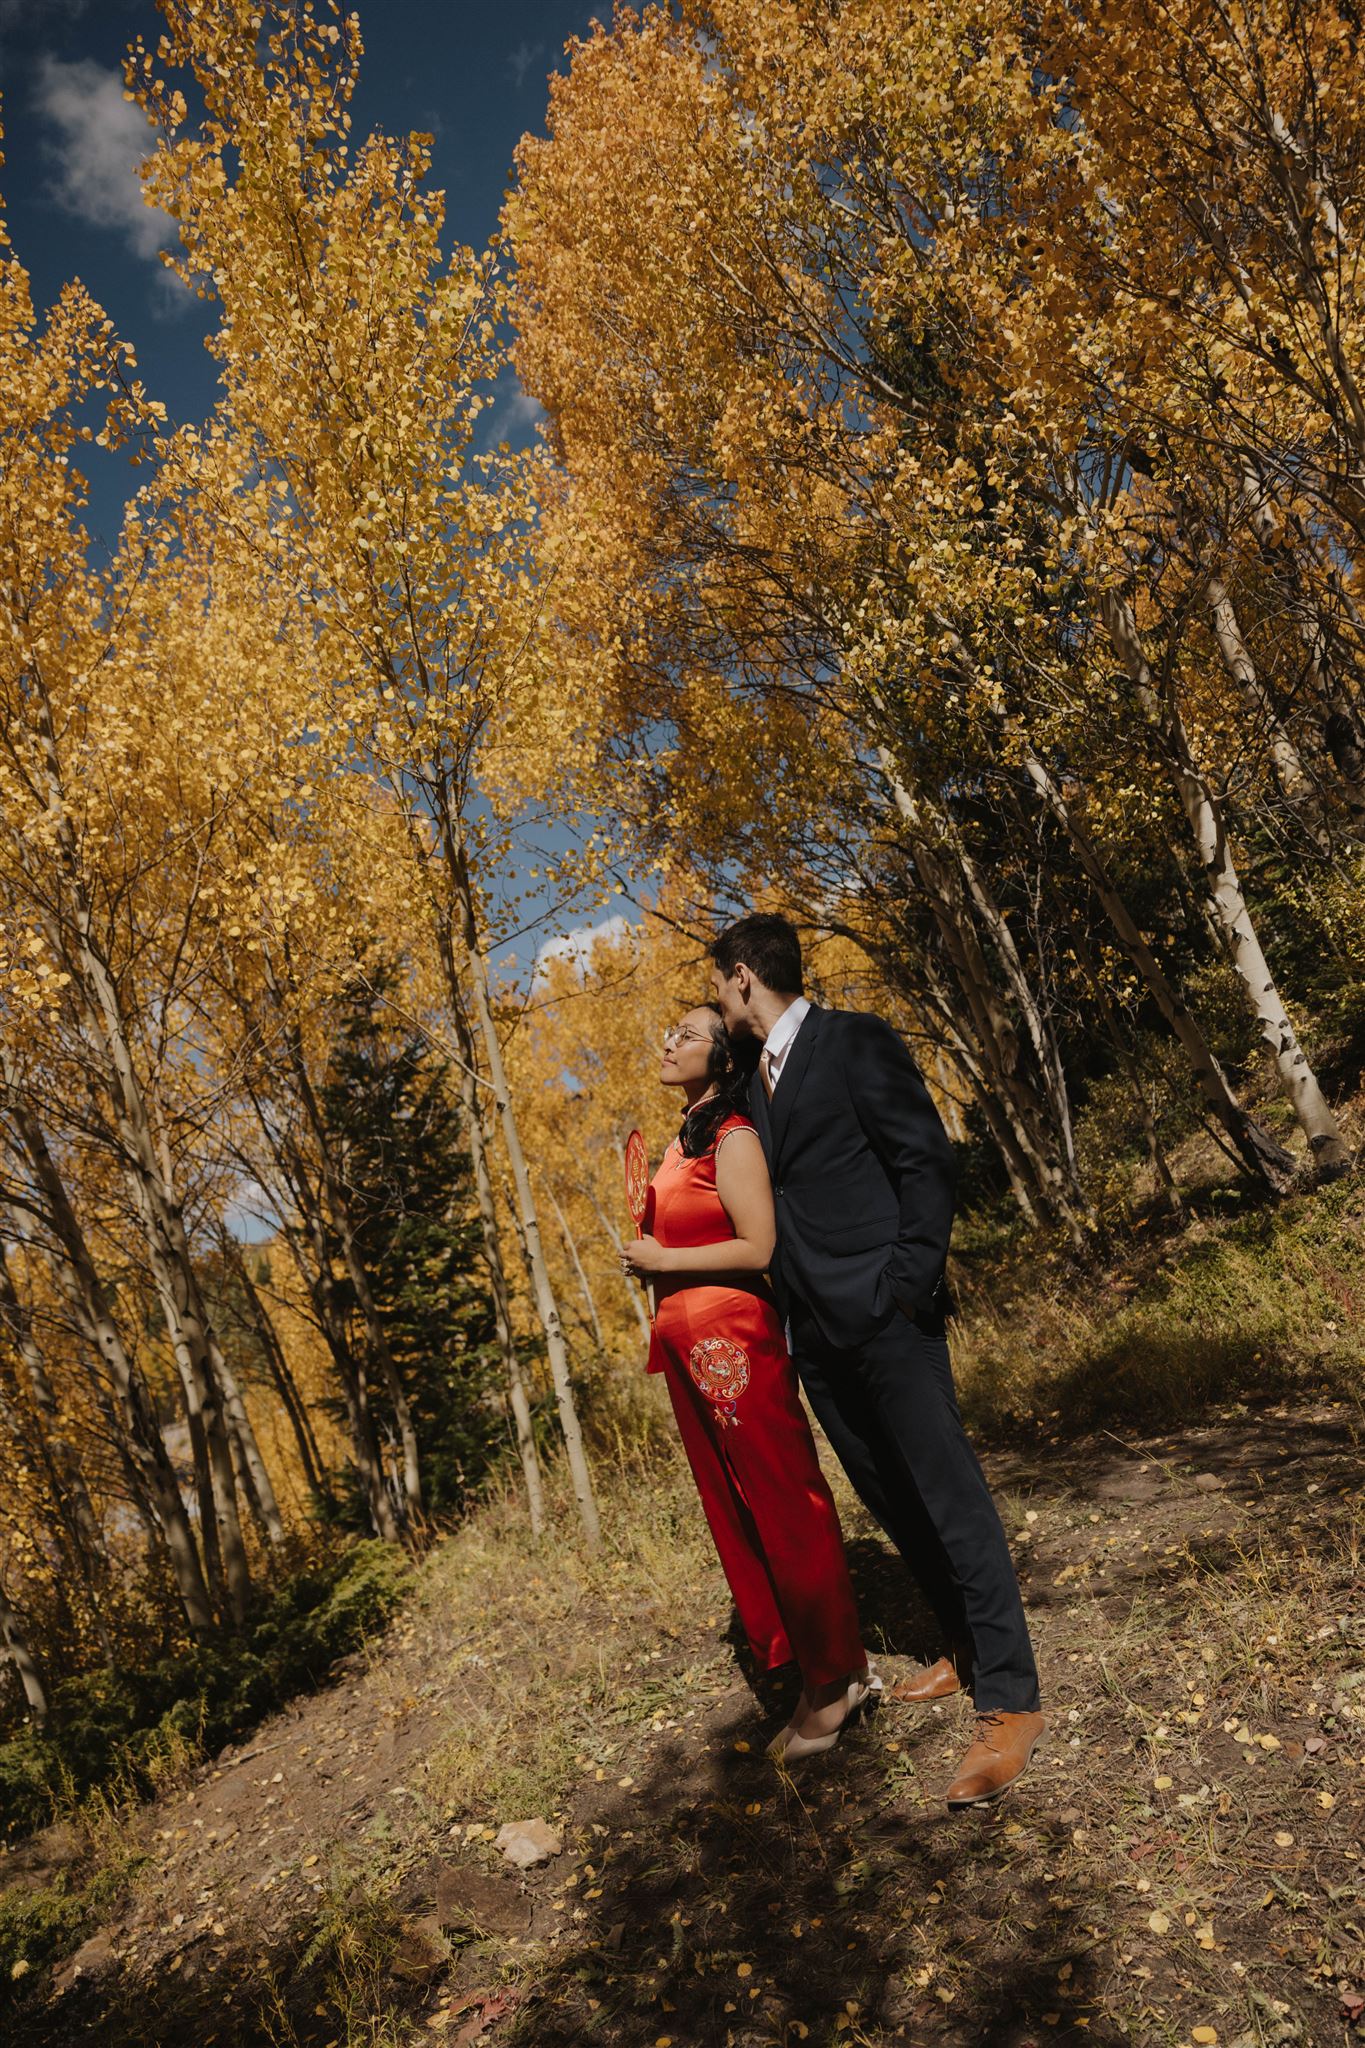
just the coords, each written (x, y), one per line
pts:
(718, 1341)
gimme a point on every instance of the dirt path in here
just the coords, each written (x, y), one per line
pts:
(1183, 1864)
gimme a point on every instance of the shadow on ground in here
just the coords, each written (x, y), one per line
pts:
(751, 1909)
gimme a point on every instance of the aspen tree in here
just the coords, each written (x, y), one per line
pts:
(361, 406)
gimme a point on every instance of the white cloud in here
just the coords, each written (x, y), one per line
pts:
(521, 415)
(522, 58)
(579, 944)
(514, 416)
(101, 139)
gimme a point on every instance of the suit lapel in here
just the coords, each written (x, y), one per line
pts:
(793, 1074)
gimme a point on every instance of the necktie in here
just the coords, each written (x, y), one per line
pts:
(765, 1068)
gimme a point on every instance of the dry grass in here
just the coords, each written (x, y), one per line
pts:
(546, 1642)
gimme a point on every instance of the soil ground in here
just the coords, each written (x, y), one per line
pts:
(1182, 1864)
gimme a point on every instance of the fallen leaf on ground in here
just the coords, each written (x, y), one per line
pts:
(500, 2003)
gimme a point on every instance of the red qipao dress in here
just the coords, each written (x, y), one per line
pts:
(733, 1385)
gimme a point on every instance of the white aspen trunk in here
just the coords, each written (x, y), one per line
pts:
(1345, 744)
(994, 1032)
(14, 1640)
(1259, 1153)
(1041, 1036)
(192, 1402)
(522, 1425)
(142, 1436)
(1326, 1144)
(547, 1307)
(249, 1468)
(245, 1480)
(285, 1387)
(147, 1450)
(73, 1495)
(949, 1081)
(244, 1437)
(155, 1200)
(1018, 1170)
(571, 1246)
(1027, 1156)
(188, 1329)
(27, 1425)
(177, 1284)
(1286, 764)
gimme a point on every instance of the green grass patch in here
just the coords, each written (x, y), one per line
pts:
(41, 1922)
(37, 1922)
(128, 1729)
(1230, 1306)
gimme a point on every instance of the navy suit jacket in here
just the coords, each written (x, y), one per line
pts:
(863, 1177)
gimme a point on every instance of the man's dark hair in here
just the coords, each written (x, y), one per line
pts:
(768, 947)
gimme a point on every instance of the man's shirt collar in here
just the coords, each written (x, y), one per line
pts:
(786, 1028)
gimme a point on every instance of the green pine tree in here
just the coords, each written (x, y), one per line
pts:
(389, 1103)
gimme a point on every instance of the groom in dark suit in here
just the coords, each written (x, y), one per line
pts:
(863, 1183)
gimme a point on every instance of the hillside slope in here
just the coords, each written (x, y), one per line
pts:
(1185, 1855)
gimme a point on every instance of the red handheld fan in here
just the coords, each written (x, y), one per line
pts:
(637, 1179)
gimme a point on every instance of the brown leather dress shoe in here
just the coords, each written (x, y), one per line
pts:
(936, 1682)
(1004, 1743)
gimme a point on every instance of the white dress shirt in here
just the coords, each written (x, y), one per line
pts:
(781, 1038)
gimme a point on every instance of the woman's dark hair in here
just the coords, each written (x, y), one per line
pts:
(729, 1069)
(767, 945)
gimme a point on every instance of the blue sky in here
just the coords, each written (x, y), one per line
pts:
(473, 76)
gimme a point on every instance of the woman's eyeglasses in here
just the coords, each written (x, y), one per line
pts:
(678, 1034)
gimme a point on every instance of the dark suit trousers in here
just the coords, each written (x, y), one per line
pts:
(890, 1412)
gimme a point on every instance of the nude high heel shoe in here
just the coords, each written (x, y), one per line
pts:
(864, 1695)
